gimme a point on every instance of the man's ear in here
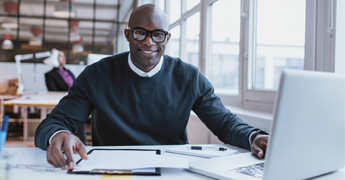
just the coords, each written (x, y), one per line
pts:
(126, 34)
(168, 37)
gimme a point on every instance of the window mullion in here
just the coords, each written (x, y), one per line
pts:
(204, 35)
(310, 35)
(183, 39)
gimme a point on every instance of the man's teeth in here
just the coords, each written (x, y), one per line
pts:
(148, 52)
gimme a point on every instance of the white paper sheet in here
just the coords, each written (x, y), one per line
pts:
(118, 159)
(28, 156)
(209, 151)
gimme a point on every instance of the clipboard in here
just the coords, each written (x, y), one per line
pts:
(157, 171)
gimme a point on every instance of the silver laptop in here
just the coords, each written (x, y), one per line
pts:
(307, 133)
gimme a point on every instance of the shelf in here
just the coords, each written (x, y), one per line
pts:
(34, 120)
(21, 120)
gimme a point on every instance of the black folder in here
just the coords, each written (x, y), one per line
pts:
(117, 171)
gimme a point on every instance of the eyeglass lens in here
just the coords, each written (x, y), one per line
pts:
(140, 34)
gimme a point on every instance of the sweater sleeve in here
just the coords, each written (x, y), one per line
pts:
(72, 111)
(229, 128)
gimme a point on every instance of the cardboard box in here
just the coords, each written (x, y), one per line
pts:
(13, 82)
(12, 90)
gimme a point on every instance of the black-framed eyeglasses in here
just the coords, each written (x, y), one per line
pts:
(140, 34)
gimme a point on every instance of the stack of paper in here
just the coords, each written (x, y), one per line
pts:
(208, 151)
(134, 160)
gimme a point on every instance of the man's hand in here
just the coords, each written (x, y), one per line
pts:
(259, 145)
(65, 142)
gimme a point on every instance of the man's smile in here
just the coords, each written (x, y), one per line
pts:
(148, 51)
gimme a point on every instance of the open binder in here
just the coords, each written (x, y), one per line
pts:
(107, 169)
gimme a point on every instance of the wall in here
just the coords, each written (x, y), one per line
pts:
(33, 75)
(198, 133)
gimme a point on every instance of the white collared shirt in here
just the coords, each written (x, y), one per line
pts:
(141, 73)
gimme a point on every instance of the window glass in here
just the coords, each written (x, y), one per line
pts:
(175, 10)
(279, 40)
(173, 47)
(161, 4)
(191, 4)
(192, 37)
(224, 59)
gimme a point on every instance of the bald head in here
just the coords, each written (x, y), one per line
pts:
(146, 53)
(148, 14)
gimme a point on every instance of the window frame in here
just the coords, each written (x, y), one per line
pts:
(319, 47)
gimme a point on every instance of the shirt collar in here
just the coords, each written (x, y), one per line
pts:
(141, 73)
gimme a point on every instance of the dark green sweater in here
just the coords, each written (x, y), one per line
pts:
(134, 110)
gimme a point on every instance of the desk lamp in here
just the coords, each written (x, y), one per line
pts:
(51, 60)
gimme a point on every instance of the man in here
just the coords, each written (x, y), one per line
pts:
(59, 78)
(141, 97)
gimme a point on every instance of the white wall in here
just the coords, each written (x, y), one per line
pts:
(33, 75)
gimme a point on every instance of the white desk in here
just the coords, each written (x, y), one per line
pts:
(6, 97)
(45, 102)
(166, 173)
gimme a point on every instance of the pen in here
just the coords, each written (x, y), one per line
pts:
(205, 148)
(35, 168)
(4, 125)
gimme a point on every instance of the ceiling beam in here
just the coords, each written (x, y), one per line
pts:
(124, 10)
(53, 33)
(57, 18)
(28, 26)
(76, 4)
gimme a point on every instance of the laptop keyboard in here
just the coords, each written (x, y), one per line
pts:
(254, 170)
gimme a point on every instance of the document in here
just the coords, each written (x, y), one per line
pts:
(134, 160)
(30, 156)
(206, 151)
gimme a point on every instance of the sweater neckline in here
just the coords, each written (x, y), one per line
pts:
(137, 77)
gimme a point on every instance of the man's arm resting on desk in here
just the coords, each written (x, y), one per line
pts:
(67, 143)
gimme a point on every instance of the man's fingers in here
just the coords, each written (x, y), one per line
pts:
(70, 160)
(53, 155)
(60, 158)
(80, 148)
(52, 163)
(259, 145)
(260, 153)
(257, 151)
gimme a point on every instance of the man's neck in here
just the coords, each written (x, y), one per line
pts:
(147, 71)
(143, 68)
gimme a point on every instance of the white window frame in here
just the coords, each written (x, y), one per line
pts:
(319, 46)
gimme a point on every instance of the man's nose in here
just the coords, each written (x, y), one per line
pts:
(148, 40)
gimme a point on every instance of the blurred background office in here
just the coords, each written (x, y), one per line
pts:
(240, 45)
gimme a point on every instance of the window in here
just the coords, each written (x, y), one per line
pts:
(278, 40)
(191, 55)
(191, 4)
(173, 47)
(175, 11)
(225, 46)
(243, 45)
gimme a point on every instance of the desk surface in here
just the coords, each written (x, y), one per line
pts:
(48, 99)
(166, 173)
